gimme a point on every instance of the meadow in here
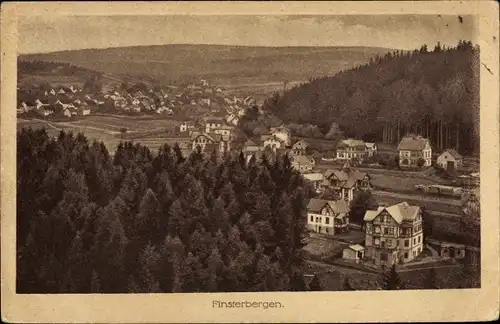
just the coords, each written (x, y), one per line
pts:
(150, 132)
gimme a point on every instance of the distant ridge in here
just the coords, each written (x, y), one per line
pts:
(205, 45)
(222, 64)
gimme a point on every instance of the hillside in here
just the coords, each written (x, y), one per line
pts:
(63, 74)
(433, 93)
(221, 64)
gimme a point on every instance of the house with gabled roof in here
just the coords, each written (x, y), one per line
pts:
(351, 149)
(300, 147)
(371, 149)
(344, 183)
(200, 139)
(412, 148)
(449, 159)
(393, 234)
(283, 133)
(271, 141)
(327, 216)
(303, 163)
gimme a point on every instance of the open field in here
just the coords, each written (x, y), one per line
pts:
(147, 131)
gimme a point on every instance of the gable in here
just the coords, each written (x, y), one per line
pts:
(384, 218)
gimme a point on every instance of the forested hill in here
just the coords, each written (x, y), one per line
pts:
(433, 93)
(140, 221)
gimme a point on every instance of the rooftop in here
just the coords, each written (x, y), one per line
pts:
(400, 212)
(412, 143)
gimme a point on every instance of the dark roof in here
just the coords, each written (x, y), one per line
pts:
(454, 153)
(348, 178)
(315, 205)
(412, 143)
(338, 206)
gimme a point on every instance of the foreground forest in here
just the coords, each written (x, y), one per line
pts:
(144, 222)
(431, 92)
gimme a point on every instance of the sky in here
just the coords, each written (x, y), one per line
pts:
(38, 34)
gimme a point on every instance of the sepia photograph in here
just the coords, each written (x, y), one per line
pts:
(248, 153)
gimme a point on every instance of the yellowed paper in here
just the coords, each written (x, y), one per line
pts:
(325, 306)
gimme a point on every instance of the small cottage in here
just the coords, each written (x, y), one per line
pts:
(354, 253)
(450, 160)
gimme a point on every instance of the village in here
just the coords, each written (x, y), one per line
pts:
(390, 233)
(67, 103)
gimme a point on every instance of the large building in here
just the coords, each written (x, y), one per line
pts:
(210, 142)
(393, 234)
(327, 216)
(412, 148)
(350, 149)
(345, 182)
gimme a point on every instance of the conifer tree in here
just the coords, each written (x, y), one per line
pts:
(391, 280)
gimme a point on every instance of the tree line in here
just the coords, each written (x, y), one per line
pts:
(434, 93)
(135, 221)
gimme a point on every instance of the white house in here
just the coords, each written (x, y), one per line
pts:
(272, 141)
(371, 149)
(283, 133)
(412, 148)
(327, 216)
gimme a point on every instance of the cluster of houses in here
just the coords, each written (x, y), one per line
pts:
(209, 134)
(279, 141)
(393, 234)
(70, 101)
(413, 151)
(63, 101)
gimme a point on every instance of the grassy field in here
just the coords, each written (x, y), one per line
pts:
(147, 131)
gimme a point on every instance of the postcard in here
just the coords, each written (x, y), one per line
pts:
(250, 162)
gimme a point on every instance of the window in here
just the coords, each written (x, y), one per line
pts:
(377, 241)
(414, 241)
(327, 221)
(382, 243)
(386, 230)
(383, 256)
(326, 230)
(406, 255)
(419, 239)
(389, 243)
(377, 229)
(312, 218)
(391, 230)
(407, 243)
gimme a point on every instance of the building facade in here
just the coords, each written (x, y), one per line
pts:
(327, 216)
(350, 149)
(345, 183)
(412, 148)
(393, 234)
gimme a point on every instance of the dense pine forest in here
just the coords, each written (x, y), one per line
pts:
(138, 221)
(431, 92)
